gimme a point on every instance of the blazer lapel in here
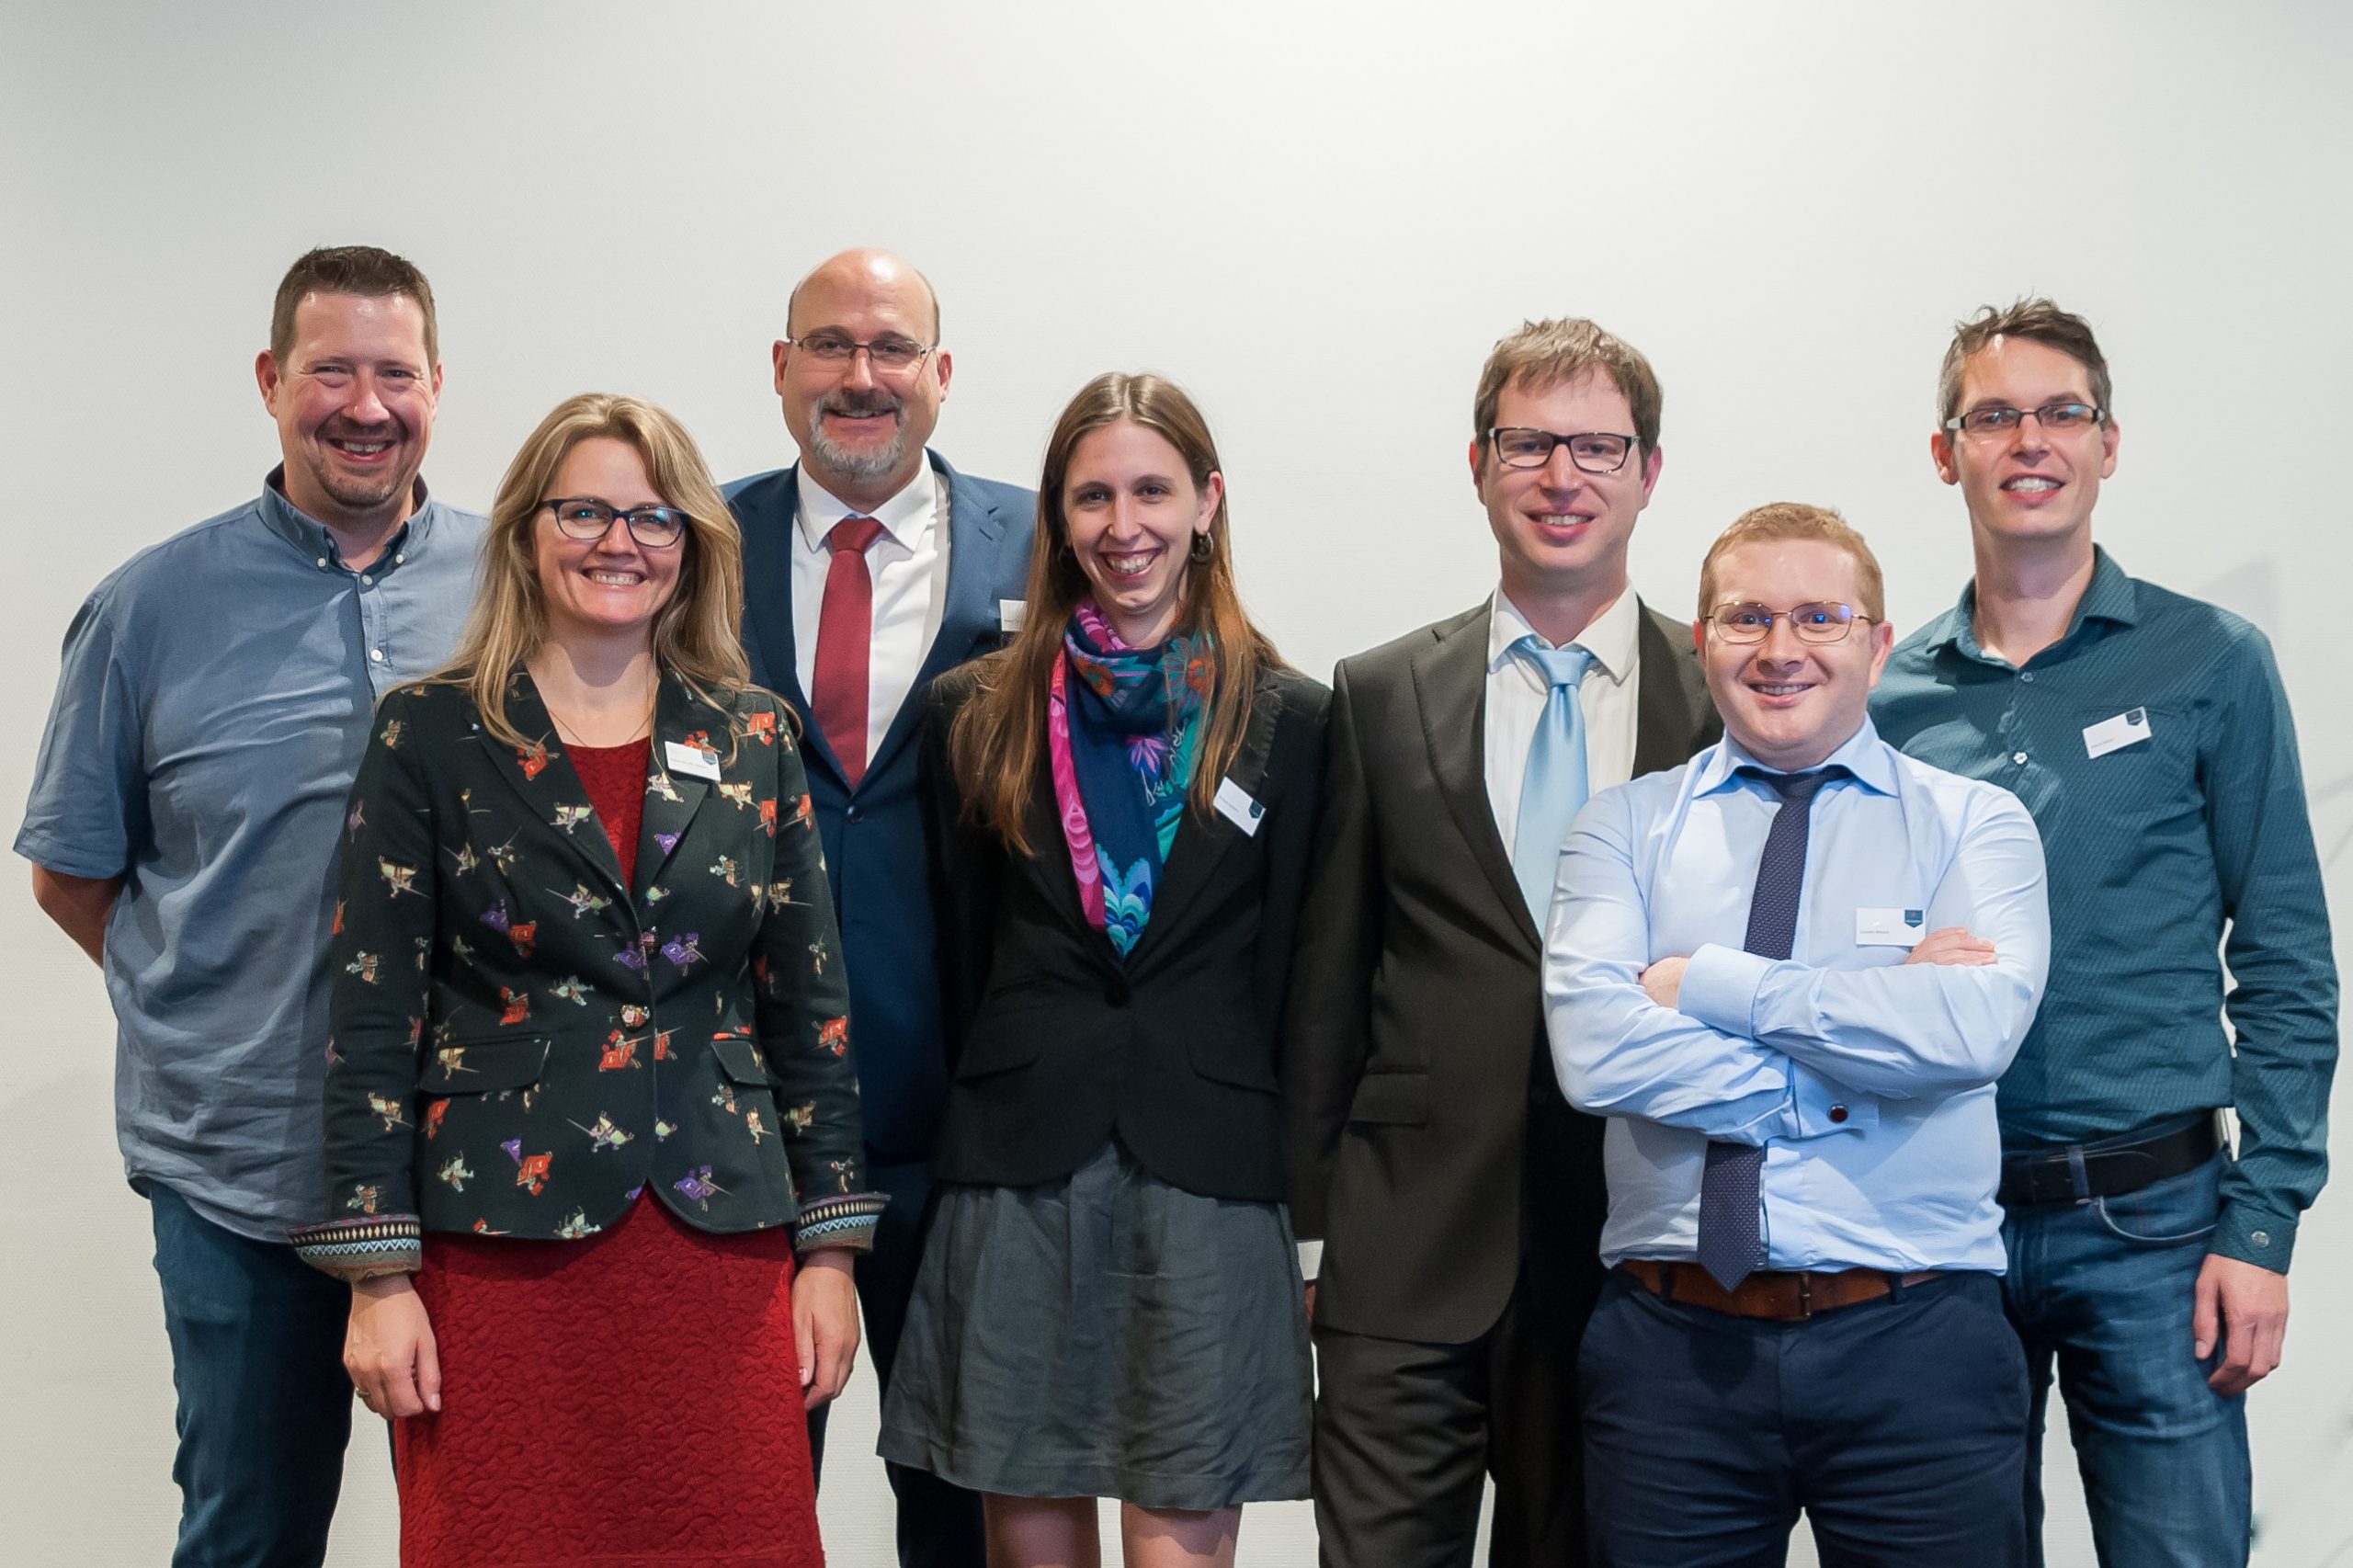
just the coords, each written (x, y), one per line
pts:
(551, 791)
(975, 534)
(673, 795)
(1202, 842)
(769, 550)
(1674, 716)
(1450, 685)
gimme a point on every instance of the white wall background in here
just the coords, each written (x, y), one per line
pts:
(1318, 216)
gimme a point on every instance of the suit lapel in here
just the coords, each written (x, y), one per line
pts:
(673, 795)
(551, 791)
(1674, 716)
(1450, 686)
(976, 533)
(1202, 843)
(769, 550)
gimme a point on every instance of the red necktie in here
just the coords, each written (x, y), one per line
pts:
(845, 635)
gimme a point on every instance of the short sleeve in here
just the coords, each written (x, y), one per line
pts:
(88, 815)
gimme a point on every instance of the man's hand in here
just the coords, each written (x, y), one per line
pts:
(388, 1349)
(824, 1323)
(2248, 1303)
(1952, 944)
(1663, 981)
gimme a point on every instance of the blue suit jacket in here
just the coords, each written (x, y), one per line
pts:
(874, 836)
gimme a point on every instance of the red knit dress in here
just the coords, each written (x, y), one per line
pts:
(630, 1401)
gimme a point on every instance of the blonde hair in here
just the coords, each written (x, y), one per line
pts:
(1543, 354)
(1795, 519)
(999, 742)
(697, 635)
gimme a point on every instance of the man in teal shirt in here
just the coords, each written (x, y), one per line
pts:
(2149, 735)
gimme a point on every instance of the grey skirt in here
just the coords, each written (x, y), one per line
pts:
(1105, 1336)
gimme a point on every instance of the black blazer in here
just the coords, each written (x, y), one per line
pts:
(521, 1041)
(1056, 1045)
(1429, 1143)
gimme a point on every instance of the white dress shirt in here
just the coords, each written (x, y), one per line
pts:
(909, 567)
(1517, 692)
(1868, 1082)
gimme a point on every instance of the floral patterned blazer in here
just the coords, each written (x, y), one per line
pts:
(521, 1044)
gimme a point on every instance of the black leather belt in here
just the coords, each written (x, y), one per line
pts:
(2109, 1168)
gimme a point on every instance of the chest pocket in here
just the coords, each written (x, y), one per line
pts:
(2146, 785)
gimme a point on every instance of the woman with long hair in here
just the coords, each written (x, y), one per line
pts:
(1109, 1302)
(592, 1128)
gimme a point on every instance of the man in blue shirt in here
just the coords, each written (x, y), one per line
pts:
(211, 713)
(1789, 972)
(2149, 735)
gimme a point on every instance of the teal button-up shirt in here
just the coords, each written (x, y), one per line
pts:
(2185, 847)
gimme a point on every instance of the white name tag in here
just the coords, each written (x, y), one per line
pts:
(1890, 927)
(2127, 729)
(1233, 804)
(690, 760)
(1012, 615)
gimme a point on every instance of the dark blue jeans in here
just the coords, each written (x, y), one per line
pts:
(938, 1525)
(264, 1408)
(1897, 1426)
(2104, 1290)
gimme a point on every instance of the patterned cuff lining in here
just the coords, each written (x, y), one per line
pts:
(353, 1250)
(846, 1221)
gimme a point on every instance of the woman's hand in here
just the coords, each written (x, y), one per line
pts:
(824, 1323)
(389, 1350)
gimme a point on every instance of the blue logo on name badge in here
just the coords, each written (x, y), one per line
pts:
(1916, 917)
(2136, 716)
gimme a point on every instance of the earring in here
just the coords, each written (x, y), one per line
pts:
(1203, 549)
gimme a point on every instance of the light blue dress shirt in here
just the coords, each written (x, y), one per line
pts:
(1870, 1083)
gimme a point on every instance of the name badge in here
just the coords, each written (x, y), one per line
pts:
(690, 760)
(1012, 615)
(2129, 728)
(1233, 804)
(1890, 927)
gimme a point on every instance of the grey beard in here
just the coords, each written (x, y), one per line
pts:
(876, 464)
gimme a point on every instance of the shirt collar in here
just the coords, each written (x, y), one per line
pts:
(2108, 597)
(310, 536)
(1611, 636)
(905, 517)
(1864, 755)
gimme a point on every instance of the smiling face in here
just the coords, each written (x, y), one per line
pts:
(1564, 530)
(1132, 510)
(2028, 483)
(354, 402)
(610, 585)
(1792, 703)
(861, 432)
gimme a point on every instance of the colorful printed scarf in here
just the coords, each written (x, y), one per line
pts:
(1123, 739)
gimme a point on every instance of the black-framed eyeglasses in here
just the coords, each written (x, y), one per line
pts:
(1595, 451)
(586, 518)
(1818, 623)
(889, 355)
(2000, 419)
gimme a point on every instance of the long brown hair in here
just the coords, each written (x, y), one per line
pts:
(697, 635)
(998, 744)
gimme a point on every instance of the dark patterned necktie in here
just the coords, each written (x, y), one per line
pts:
(1731, 1192)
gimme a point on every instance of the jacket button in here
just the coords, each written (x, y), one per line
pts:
(853, 814)
(1116, 993)
(1837, 1113)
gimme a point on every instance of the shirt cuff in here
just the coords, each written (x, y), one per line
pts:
(373, 1247)
(1311, 1259)
(1720, 987)
(846, 1221)
(2254, 1235)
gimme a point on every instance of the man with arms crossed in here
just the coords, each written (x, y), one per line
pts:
(2149, 735)
(870, 568)
(1458, 1196)
(211, 709)
(1789, 973)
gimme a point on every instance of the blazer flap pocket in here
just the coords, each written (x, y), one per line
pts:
(1221, 1062)
(740, 1060)
(481, 1066)
(1399, 1099)
(1001, 1038)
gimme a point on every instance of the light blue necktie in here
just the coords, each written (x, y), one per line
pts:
(1552, 790)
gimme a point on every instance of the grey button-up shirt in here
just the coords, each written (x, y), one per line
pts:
(211, 713)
